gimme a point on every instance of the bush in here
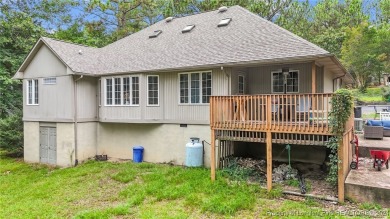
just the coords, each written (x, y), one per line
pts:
(386, 94)
(11, 133)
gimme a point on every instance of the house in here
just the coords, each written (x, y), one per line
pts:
(229, 77)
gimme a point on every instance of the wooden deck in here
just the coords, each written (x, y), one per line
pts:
(285, 113)
(275, 118)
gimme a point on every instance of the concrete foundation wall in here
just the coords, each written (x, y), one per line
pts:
(87, 140)
(31, 142)
(368, 194)
(162, 142)
(65, 144)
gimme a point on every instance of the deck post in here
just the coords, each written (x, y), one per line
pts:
(269, 160)
(212, 162)
(340, 182)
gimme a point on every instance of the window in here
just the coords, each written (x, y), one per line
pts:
(49, 81)
(32, 92)
(337, 84)
(195, 87)
(241, 84)
(122, 91)
(153, 90)
(288, 83)
(117, 91)
(224, 22)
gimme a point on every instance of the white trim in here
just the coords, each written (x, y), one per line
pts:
(121, 91)
(158, 90)
(280, 71)
(200, 87)
(33, 94)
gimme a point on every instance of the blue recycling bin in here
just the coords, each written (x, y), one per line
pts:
(138, 154)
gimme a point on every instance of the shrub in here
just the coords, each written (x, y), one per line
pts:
(386, 94)
(11, 134)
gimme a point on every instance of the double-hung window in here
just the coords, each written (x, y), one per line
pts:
(288, 83)
(195, 87)
(32, 92)
(153, 88)
(122, 91)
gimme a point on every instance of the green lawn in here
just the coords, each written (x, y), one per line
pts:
(127, 190)
(373, 95)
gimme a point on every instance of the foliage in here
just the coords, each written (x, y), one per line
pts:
(386, 93)
(240, 173)
(120, 17)
(370, 95)
(361, 53)
(11, 133)
(333, 145)
(342, 103)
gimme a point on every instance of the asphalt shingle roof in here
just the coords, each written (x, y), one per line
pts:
(247, 38)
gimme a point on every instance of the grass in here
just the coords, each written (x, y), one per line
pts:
(128, 190)
(372, 95)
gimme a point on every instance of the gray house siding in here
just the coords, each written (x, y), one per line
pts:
(236, 72)
(259, 78)
(55, 101)
(169, 109)
(87, 105)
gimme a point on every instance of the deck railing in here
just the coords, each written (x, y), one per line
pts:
(287, 113)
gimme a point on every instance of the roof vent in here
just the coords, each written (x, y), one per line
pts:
(188, 28)
(168, 19)
(222, 9)
(224, 22)
(155, 33)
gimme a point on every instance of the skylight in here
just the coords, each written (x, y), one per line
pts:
(188, 28)
(224, 22)
(155, 33)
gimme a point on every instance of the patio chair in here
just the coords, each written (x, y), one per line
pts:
(373, 132)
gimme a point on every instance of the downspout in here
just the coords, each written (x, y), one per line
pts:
(76, 162)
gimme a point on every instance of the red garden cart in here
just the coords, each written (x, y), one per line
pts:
(380, 158)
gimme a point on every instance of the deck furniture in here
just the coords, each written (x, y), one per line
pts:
(377, 129)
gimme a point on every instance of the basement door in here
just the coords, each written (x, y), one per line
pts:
(48, 145)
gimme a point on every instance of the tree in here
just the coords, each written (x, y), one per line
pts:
(331, 18)
(296, 19)
(89, 33)
(120, 17)
(360, 52)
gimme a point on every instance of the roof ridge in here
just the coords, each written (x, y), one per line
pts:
(284, 30)
(202, 12)
(68, 42)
